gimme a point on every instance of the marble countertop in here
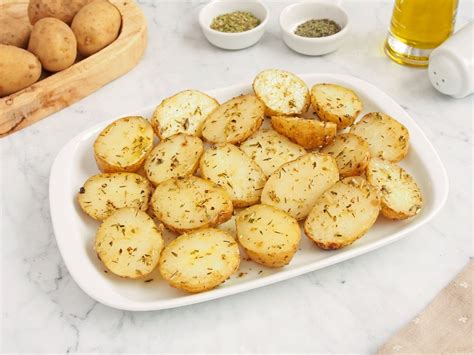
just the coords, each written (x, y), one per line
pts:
(354, 306)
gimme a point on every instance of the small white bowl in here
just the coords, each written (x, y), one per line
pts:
(294, 15)
(237, 40)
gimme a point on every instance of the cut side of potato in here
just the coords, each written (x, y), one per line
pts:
(103, 194)
(387, 138)
(176, 156)
(295, 186)
(184, 112)
(129, 243)
(401, 196)
(123, 145)
(308, 133)
(343, 214)
(335, 104)
(235, 172)
(351, 153)
(200, 260)
(269, 236)
(235, 120)
(188, 203)
(282, 92)
(270, 150)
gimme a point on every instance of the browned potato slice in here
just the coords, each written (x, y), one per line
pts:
(343, 214)
(129, 243)
(306, 132)
(235, 120)
(269, 236)
(335, 104)
(234, 171)
(103, 194)
(176, 156)
(123, 145)
(270, 150)
(401, 196)
(351, 153)
(184, 112)
(188, 203)
(295, 186)
(282, 92)
(387, 138)
(200, 260)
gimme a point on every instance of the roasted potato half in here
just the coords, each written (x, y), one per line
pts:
(200, 260)
(343, 214)
(129, 243)
(102, 194)
(235, 120)
(308, 133)
(176, 156)
(270, 150)
(269, 236)
(234, 171)
(295, 186)
(184, 112)
(123, 145)
(351, 153)
(335, 104)
(188, 203)
(401, 196)
(387, 138)
(282, 92)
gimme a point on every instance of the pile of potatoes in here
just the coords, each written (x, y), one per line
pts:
(60, 32)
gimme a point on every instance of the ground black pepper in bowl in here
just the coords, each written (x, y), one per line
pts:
(317, 28)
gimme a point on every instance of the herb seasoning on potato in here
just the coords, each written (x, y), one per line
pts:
(238, 21)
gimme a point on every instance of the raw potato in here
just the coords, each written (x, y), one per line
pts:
(235, 172)
(335, 104)
(401, 196)
(387, 138)
(270, 150)
(96, 25)
(63, 10)
(176, 156)
(343, 214)
(283, 93)
(18, 69)
(53, 42)
(351, 153)
(103, 194)
(235, 120)
(129, 243)
(123, 145)
(308, 133)
(295, 186)
(200, 261)
(184, 112)
(269, 236)
(188, 203)
(14, 32)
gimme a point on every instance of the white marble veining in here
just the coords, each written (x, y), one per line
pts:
(351, 307)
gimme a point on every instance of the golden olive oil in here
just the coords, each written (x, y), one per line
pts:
(417, 27)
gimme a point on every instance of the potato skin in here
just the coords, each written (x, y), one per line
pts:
(18, 69)
(63, 10)
(14, 32)
(96, 25)
(53, 42)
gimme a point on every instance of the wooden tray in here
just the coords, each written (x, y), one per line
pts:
(62, 89)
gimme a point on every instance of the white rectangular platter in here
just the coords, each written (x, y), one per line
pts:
(75, 231)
